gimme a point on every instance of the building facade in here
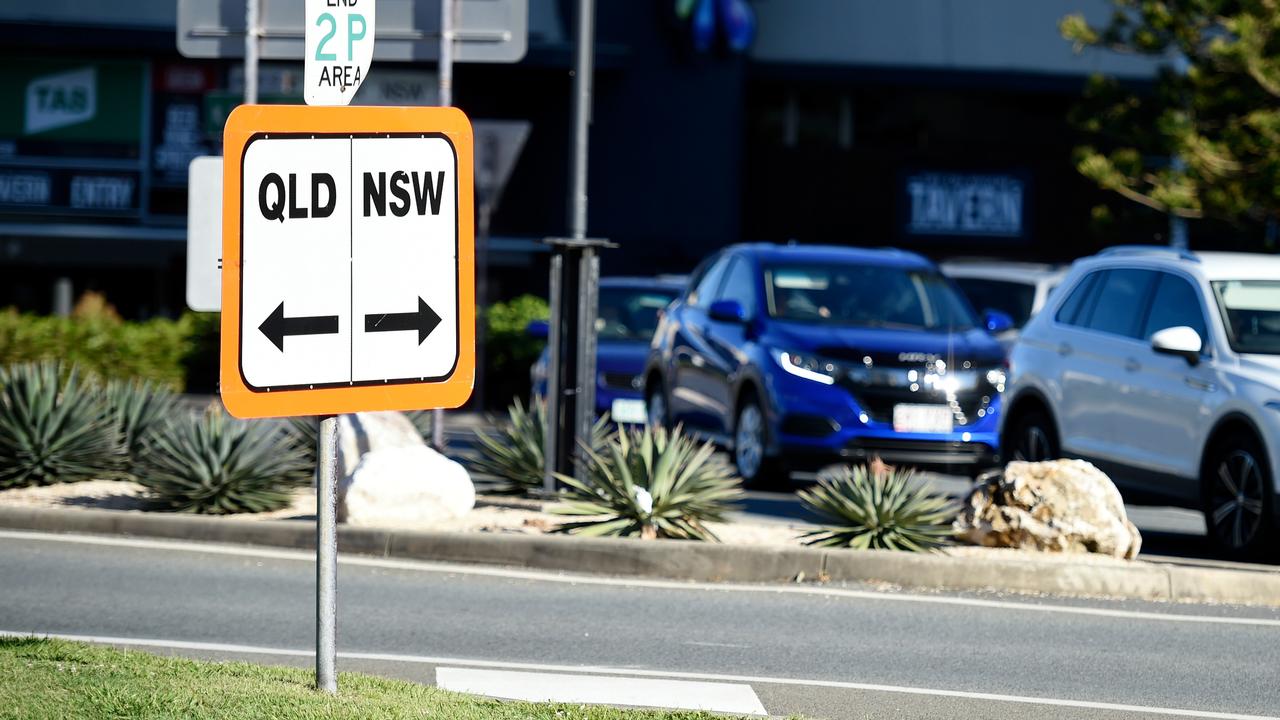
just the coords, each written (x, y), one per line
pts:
(935, 125)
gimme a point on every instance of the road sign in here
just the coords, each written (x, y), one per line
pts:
(498, 145)
(348, 278)
(204, 234)
(487, 31)
(339, 48)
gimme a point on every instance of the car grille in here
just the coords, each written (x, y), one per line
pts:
(619, 380)
(877, 388)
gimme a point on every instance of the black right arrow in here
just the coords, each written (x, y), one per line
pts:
(424, 321)
(277, 326)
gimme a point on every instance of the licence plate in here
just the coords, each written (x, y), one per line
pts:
(628, 411)
(922, 418)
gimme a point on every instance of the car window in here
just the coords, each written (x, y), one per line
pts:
(1014, 299)
(1070, 312)
(1121, 302)
(1175, 303)
(705, 288)
(851, 294)
(740, 285)
(630, 313)
(1251, 311)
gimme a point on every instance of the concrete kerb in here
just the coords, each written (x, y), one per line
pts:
(705, 562)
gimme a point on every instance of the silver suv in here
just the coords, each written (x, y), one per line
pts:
(1162, 368)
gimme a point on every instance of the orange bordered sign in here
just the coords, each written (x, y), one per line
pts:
(348, 260)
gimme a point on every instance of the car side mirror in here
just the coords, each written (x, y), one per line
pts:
(1181, 341)
(727, 311)
(537, 329)
(996, 321)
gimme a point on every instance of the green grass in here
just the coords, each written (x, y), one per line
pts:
(57, 679)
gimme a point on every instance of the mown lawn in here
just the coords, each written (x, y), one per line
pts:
(42, 679)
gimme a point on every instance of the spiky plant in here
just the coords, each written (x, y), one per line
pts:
(140, 409)
(881, 508)
(305, 433)
(653, 483)
(423, 421)
(514, 452)
(54, 427)
(215, 465)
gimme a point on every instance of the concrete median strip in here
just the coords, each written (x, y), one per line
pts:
(702, 562)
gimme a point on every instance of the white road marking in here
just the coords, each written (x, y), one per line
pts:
(602, 690)
(551, 576)
(626, 672)
(699, 643)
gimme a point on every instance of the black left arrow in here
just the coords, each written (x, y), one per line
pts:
(424, 321)
(277, 326)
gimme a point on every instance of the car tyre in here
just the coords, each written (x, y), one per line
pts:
(1031, 437)
(750, 442)
(1237, 499)
(655, 403)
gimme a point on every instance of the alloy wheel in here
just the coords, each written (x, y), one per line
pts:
(748, 441)
(1236, 499)
(657, 409)
(1033, 444)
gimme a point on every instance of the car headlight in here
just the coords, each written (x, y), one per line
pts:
(997, 378)
(808, 367)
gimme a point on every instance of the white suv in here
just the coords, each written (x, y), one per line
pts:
(1162, 368)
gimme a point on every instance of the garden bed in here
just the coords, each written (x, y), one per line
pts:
(493, 514)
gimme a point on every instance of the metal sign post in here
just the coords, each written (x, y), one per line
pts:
(327, 556)
(445, 77)
(251, 24)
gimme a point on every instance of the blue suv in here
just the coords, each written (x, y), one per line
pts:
(796, 357)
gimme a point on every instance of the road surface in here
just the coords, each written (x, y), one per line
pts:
(827, 652)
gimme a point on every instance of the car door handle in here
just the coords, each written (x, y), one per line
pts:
(1198, 384)
(1132, 365)
(1064, 349)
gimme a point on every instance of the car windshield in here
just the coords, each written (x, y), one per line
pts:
(866, 296)
(630, 313)
(1251, 311)
(1014, 299)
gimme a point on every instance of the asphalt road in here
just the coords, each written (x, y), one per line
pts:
(824, 652)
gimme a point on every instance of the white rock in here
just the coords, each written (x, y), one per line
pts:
(405, 487)
(1055, 506)
(367, 432)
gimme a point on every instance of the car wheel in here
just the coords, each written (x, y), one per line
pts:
(1237, 499)
(1032, 437)
(749, 443)
(655, 403)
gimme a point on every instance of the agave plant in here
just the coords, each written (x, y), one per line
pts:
(305, 433)
(140, 409)
(881, 507)
(514, 453)
(423, 421)
(214, 465)
(54, 427)
(653, 483)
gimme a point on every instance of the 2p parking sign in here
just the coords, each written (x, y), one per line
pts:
(348, 256)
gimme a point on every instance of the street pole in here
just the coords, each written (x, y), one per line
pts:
(584, 52)
(446, 100)
(327, 556)
(251, 32)
(575, 275)
(1178, 235)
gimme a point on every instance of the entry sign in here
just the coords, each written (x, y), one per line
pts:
(348, 260)
(338, 47)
